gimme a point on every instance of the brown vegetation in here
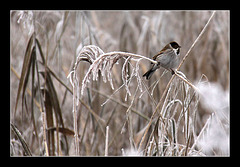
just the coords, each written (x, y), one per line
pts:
(64, 95)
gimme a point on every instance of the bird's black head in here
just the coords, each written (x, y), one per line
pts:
(175, 45)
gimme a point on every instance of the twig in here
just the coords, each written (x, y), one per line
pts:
(75, 115)
(106, 141)
(44, 133)
(131, 55)
(120, 103)
(185, 80)
(203, 30)
(185, 57)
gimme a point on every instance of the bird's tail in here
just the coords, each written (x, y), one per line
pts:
(149, 73)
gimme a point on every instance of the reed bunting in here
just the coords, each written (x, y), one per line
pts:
(167, 58)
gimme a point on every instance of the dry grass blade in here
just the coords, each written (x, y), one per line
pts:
(54, 101)
(156, 135)
(22, 141)
(50, 123)
(64, 131)
(28, 91)
(40, 50)
(28, 63)
(25, 68)
(53, 97)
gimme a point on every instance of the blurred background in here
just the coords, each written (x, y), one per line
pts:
(62, 34)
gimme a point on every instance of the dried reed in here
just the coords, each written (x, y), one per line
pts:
(164, 116)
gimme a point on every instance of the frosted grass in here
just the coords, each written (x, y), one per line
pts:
(216, 135)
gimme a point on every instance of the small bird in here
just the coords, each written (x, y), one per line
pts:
(167, 58)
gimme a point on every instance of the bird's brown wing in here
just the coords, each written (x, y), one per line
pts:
(154, 57)
(161, 52)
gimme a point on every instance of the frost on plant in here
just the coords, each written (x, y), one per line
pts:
(216, 135)
(26, 18)
(104, 63)
(131, 152)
